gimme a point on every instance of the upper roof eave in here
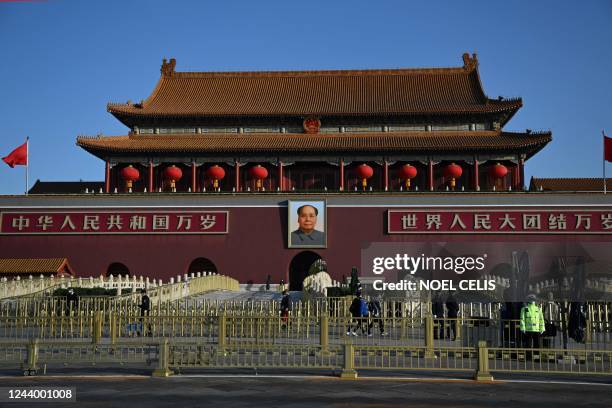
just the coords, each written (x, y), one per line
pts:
(391, 92)
(133, 110)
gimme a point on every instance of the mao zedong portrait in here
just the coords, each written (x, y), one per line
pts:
(307, 234)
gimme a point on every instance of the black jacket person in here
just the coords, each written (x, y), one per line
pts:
(145, 304)
(285, 306)
(453, 312)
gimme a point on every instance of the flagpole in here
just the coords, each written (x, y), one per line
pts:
(27, 163)
(603, 133)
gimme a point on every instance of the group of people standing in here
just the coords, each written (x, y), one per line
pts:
(538, 322)
(365, 315)
(527, 323)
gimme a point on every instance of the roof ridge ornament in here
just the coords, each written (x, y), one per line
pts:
(470, 62)
(167, 68)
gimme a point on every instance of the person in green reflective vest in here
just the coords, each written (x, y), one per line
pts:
(532, 323)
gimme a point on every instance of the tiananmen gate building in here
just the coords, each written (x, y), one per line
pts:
(218, 170)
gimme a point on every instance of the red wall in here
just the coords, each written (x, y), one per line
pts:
(254, 247)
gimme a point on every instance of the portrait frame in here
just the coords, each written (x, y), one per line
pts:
(293, 226)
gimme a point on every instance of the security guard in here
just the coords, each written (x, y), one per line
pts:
(532, 323)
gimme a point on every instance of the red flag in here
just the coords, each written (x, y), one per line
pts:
(607, 148)
(19, 156)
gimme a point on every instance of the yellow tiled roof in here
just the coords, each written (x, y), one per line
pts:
(454, 90)
(33, 265)
(318, 143)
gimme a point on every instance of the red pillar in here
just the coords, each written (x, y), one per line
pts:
(521, 174)
(151, 188)
(476, 176)
(515, 176)
(430, 175)
(193, 177)
(237, 181)
(281, 184)
(341, 175)
(107, 178)
(386, 175)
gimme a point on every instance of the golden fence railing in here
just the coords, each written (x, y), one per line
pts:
(345, 358)
(99, 326)
(331, 306)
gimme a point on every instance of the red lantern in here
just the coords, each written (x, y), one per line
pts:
(498, 171)
(407, 172)
(130, 174)
(173, 174)
(453, 171)
(215, 173)
(364, 172)
(259, 173)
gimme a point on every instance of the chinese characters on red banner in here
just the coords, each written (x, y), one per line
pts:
(488, 221)
(115, 222)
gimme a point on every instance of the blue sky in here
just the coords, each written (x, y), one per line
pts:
(62, 61)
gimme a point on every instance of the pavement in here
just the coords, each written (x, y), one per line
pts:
(249, 294)
(242, 388)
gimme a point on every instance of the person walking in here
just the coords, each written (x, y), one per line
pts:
(356, 310)
(551, 313)
(577, 322)
(376, 316)
(532, 323)
(285, 308)
(437, 310)
(510, 319)
(145, 308)
(551, 321)
(452, 308)
(365, 315)
(268, 282)
(72, 301)
(145, 304)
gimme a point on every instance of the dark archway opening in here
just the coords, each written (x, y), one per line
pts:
(202, 265)
(298, 268)
(116, 269)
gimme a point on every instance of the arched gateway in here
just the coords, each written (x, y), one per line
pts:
(298, 268)
(116, 269)
(202, 265)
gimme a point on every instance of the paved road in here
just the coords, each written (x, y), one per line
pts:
(246, 390)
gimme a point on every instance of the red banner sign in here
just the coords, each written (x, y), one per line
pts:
(114, 222)
(489, 221)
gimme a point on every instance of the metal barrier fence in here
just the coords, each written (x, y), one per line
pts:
(506, 333)
(598, 314)
(40, 332)
(324, 342)
(552, 361)
(34, 356)
(332, 306)
(346, 359)
(460, 332)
